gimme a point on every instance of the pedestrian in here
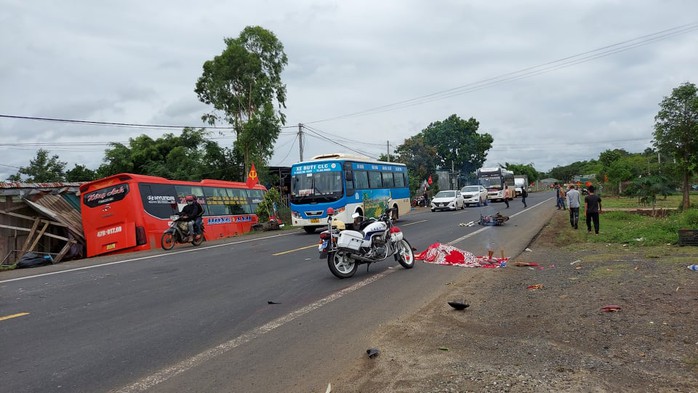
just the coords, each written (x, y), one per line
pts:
(558, 200)
(506, 195)
(524, 194)
(592, 208)
(563, 197)
(573, 202)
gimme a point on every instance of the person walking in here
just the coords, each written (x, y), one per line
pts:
(573, 202)
(592, 208)
(524, 194)
(506, 195)
(563, 197)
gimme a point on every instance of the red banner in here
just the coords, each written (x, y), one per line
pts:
(252, 178)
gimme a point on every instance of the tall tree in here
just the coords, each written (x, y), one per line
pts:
(80, 173)
(421, 160)
(243, 84)
(42, 169)
(676, 132)
(458, 144)
(524, 169)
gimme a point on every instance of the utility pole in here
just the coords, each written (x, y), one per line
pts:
(300, 139)
(388, 142)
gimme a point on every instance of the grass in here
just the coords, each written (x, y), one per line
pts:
(632, 229)
(670, 202)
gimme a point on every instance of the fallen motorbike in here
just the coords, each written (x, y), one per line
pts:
(178, 232)
(376, 240)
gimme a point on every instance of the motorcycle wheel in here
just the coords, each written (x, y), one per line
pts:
(405, 255)
(341, 265)
(167, 241)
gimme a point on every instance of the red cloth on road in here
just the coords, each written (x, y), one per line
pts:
(443, 254)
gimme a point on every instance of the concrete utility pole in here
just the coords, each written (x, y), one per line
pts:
(300, 139)
(388, 142)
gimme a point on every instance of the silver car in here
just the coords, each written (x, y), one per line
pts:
(475, 195)
(447, 200)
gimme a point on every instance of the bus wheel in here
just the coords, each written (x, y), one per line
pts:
(167, 241)
(309, 230)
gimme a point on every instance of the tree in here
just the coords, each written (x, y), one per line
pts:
(676, 132)
(42, 169)
(80, 173)
(189, 156)
(521, 169)
(243, 84)
(420, 159)
(457, 143)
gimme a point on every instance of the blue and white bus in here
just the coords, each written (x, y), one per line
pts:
(348, 184)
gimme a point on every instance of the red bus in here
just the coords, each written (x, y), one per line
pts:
(127, 212)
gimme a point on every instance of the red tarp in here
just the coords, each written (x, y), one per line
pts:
(443, 254)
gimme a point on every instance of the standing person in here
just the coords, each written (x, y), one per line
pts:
(573, 202)
(558, 200)
(524, 194)
(592, 207)
(506, 194)
(563, 197)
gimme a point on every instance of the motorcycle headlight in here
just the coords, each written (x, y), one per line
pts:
(174, 217)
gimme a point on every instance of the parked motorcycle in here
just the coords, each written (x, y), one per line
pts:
(178, 233)
(328, 237)
(376, 240)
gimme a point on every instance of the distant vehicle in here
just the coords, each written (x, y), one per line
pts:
(447, 200)
(347, 184)
(476, 195)
(520, 181)
(493, 179)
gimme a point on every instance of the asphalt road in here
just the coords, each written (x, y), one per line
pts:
(200, 319)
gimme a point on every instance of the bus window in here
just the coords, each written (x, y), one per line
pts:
(255, 197)
(237, 201)
(399, 179)
(360, 180)
(215, 201)
(388, 181)
(374, 179)
(158, 199)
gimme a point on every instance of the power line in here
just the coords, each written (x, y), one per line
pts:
(525, 72)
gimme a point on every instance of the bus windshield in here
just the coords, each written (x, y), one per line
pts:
(491, 182)
(316, 187)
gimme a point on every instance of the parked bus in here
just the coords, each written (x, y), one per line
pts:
(128, 212)
(493, 179)
(348, 184)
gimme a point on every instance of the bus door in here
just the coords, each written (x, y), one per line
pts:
(109, 219)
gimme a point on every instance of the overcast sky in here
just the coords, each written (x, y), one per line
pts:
(552, 81)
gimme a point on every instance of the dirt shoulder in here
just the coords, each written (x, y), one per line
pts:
(552, 339)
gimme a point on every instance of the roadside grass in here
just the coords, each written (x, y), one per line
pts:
(672, 201)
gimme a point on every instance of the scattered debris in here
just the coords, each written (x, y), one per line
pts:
(693, 267)
(525, 264)
(575, 262)
(528, 249)
(467, 224)
(443, 348)
(329, 388)
(535, 286)
(610, 308)
(272, 302)
(458, 305)
(372, 352)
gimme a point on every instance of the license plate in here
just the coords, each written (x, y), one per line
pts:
(314, 220)
(111, 246)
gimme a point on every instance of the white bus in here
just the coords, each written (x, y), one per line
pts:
(494, 180)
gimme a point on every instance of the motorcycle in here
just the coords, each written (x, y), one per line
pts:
(328, 237)
(178, 232)
(375, 241)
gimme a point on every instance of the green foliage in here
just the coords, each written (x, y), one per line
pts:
(458, 144)
(266, 208)
(42, 169)
(676, 132)
(243, 84)
(421, 159)
(524, 169)
(80, 173)
(189, 156)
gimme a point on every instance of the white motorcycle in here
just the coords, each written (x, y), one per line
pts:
(376, 240)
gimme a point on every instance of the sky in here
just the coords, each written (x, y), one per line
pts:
(553, 82)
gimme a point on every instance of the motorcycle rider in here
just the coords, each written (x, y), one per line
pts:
(192, 212)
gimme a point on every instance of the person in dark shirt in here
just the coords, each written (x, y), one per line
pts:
(592, 208)
(192, 212)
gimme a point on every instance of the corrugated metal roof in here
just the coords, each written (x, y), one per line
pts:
(58, 209)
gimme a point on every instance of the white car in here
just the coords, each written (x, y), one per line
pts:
(447, 200)
(476, 195)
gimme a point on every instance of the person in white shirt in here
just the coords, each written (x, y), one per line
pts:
(573, 202)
